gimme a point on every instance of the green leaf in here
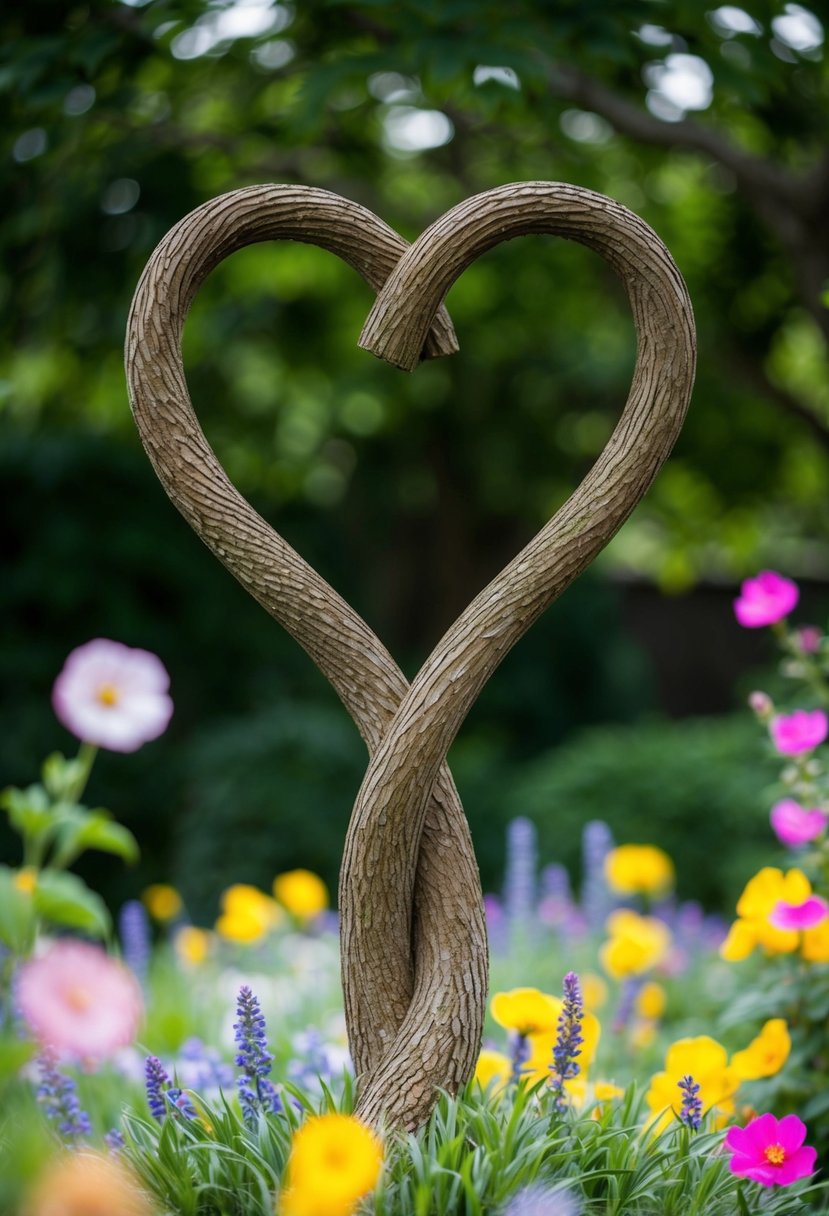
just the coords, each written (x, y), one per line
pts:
(13, 1055)
(64, 899)
(81, 829)
(17, 913)
(29, 810)
(61, 775)
(102, 833)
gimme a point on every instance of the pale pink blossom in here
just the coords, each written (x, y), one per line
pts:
(794, 825)
(112, 695)
(761, 703)
(78, 1000)
(771, 1151)
(805, 915)
(765, 599)
(799, 732)
(809, 638)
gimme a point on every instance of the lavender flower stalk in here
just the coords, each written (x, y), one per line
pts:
(691, 1112)
(134, 929)
(114, 1140)
(596, 843)
(56, 1094)
(627, 1000)
(519, 1054)
(256, 1092)
(157, 1082)
(180, 1104)
(521, 866)
(569, 1040)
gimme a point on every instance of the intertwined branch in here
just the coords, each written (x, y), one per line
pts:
(413, 939)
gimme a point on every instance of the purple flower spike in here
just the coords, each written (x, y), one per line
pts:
(134, 928)
(56, 1094)
(114, 1140)
(157, 1082)
(256, 1092)
(569, 1039)
(180, 1104)
(521, 867)
(691, 1111)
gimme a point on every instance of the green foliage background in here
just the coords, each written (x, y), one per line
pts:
(408, 493)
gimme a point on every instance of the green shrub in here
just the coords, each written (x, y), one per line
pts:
(698, 788)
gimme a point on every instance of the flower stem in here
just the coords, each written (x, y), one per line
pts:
(85, 759)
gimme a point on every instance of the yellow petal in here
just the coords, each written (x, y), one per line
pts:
(493, 1067)
(740, 941)
(815, 943)
(526, 1011)
(766, 1054)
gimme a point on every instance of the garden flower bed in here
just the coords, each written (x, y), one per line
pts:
(639, 1056)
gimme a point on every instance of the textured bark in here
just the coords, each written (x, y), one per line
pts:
(377, 874)
(446, 949)
(413, 943)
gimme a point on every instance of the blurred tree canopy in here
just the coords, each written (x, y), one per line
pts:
(408, 492)
(121, 117)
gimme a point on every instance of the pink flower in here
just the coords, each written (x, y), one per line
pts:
(799, 732)
(794, 825)
(761, 703)
(799, 916)
(809, 639)
(78, 1000)
(765, 599)
(113, 696)
(771, 1151)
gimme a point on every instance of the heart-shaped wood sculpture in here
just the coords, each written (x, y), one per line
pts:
(413, 938)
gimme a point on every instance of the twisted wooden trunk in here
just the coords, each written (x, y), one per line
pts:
(413, 939)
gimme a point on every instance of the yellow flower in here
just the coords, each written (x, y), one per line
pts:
(192, 945)
(302, 893)
(25, 879)
(636, 943)
(248, 914)
(642, 1035)
(593, 990)
(494, 1067)
(814, 945)
(706, 1061)
(754, 907)
(526, 1011)
(335, 1160)
(606, 1091)
(651, 1001)
(765, 1055)
(638, 869)
(83, 1183)
(163, 902)
(541, 1046)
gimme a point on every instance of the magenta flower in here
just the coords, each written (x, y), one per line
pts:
(793, 825)
(771, 1151)
(113, 696)
(765, 599)
(798, 732)
(799, 916)
(78, 1000)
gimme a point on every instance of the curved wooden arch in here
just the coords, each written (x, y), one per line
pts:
(413, 940)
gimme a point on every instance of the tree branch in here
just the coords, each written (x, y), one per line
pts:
(752, 172)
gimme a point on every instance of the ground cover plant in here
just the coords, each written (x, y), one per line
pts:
(639, 1056)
